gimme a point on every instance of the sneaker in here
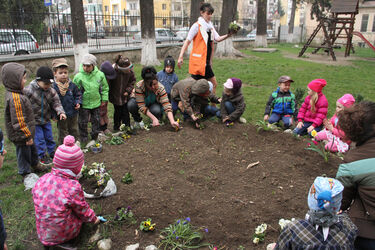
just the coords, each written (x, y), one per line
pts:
(242, 120)
(45, 161)
(289, 131)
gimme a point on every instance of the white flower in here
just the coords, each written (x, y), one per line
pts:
(234, 22)
(283, 223)
(261, 228)
(91, 172)
(256, 240)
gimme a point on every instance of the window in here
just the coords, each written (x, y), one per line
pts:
(105, 8)
(164, 21)
(364, 22)
(133, 21)
(176, 7)
(133, 6)
(163, 6)
(373, 25)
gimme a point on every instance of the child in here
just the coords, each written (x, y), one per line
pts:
(45, 101)
(3, 152)
(19, 118)
(94, 88)
(110, 74)
(357, 172)
(314, 109)
(60, 206)
(168, 78)
(233, 103)
(282, 102)
(70, 98)
(334, 136)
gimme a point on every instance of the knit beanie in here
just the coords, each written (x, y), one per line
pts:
(325, 194)
(169, 61)
(200, 87)
(234, 84)
(108, 70)
(317, 85)
(347, 100)
(44, 74)
(89, 59)
(69, 155)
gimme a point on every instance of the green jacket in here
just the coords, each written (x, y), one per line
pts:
(94, 87)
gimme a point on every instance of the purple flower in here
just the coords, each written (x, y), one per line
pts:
(178, 222)
(206, 230)
(188, 219)
(177, 237)
(174, 232)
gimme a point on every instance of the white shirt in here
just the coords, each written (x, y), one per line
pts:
(195, 28)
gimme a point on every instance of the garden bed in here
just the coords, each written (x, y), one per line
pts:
(207, 175)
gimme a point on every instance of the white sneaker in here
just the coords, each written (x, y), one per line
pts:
(242, 120)
(289, 131)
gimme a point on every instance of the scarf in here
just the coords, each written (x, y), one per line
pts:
(63, 87)
(322, 218)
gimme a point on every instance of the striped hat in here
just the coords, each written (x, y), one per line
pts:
(69, 155)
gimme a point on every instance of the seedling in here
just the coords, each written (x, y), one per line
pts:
(127, 179)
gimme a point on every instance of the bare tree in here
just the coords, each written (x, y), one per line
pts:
(80, 45)
(149, 56)
(261, 37)
(194, 11)
(291, 20)
(228, 15)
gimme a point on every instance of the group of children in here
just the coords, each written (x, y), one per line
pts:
(311, 116)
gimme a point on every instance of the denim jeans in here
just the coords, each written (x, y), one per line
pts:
(44, 140)
(303, 130)
(26, 157)
(277, 117)
(155, 109)
(228, 107)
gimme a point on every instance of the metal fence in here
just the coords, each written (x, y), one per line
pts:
(23, 33)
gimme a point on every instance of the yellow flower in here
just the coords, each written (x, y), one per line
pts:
(97, 145)
(152, 228)
(147, 223)
(313, 133)
(256, 240)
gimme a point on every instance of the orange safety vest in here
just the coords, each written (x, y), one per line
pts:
(198, 55)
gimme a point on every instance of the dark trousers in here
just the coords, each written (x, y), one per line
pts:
(121, 114)
(26, 157)
(277, 117)
(364, 244)
(68, 127)
(303, 130)
(83, 120)
(44, 140)
(228, 107)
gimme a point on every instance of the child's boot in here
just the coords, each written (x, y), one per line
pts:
(321, 136)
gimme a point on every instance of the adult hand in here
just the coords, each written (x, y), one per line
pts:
(194, 117)
(30, 142)
(126, 94)
(5, 246)
(311, 128)
(225, 118)
(77, 106)
(266, 117)
(175, 124)
(62, 117)
(180, 62)
(155, 123)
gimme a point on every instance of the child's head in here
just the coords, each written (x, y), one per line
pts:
(88, 63)
(69, 156)
(108, 70)
(316, 86)
(169, 64)
(284, 83)
(201, 88)
(123, 62)
(358, 121)
(44, 77)
(60, 70)
(232, 86)
(345, 101)
(149, 78)
(13, 76)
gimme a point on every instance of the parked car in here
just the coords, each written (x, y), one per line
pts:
(97, 32)
(253, 34)
(17, 42)
(182, 32)
(161, 35)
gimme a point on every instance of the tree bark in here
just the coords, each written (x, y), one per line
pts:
(80, 46)
(149, 56)
(291, 20)
(261, 36)
(194, 11)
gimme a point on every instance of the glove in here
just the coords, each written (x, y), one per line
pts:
(101, 218)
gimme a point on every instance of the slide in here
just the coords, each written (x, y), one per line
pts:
(364, 39)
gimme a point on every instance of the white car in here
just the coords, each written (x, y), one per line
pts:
(17, 42)
(253, 34)
(161, 35)
(183, 32)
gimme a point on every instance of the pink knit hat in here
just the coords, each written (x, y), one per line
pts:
(347, 100)
(69, 155)
(317, 85)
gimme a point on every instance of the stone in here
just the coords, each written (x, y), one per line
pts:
(133, 247)
(104, 244)
(95, 237)
(151, 247)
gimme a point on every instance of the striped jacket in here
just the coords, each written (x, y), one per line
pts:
(19, 116)
(161, 97)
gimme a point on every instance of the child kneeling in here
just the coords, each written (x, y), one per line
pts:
(60, 205)
(232, 103)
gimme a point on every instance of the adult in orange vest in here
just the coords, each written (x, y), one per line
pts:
(203, 35)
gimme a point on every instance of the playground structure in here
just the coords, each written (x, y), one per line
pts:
(339, 24)
(359, 34)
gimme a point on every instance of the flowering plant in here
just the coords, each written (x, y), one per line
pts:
(125, 214)
(318, 147)
(233, 28)
(127, 178)
(283, 222)
(260, 233)
(182, 235)
(147, 226)
(97, 171)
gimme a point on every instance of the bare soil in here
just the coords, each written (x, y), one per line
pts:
(204, 175)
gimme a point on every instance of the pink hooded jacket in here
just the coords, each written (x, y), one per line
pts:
(321, 109)
(60, 207)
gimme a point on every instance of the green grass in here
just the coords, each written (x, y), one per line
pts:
(259, 74)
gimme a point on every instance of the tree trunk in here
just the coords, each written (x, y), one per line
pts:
(149, 56)
(80, 46)
(291, 20)
(228, 14)
(261, 37)
(194, 11)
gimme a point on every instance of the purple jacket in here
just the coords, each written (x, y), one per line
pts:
(60, 207)
(321, 109)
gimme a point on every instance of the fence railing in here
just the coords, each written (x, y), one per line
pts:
(52, 32)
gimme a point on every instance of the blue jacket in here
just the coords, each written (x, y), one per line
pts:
(168, 80)
(281, 103)
(71, 98)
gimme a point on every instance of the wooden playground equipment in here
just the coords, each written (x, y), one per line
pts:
(339, 24)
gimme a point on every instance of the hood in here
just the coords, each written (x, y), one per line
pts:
(85, 73)
(124, 70)
(11, 75)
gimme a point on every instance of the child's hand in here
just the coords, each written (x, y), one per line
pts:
(311, 128)
(155, 123)
(219, 100)
(30, 142)
(300, 124)
(4, 152)
(126, 94)
(266, 117)
(77, 106)
(62, 117)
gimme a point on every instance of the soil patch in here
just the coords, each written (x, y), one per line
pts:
(323, 58)
(90, 186)
(204, 175)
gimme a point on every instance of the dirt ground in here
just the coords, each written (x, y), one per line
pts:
(204, 175)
